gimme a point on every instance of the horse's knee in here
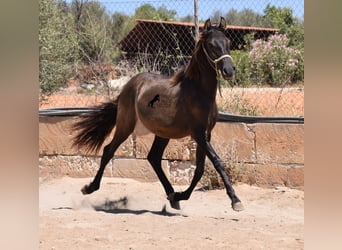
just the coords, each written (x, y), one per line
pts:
(219, 164)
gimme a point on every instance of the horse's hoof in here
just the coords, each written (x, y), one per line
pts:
(85, 190)
(174, 204)
(238, 206)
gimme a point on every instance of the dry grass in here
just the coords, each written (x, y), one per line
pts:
(244, 101)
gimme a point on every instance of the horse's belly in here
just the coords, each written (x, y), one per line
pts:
(164, 131)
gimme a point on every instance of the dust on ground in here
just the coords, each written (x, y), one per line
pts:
(127, 214)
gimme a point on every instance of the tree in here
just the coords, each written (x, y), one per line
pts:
(187, 18)
(57, 47)
(147, 11)
(280, 18)
(121, 25)
(93, 28)
(232, 17)
(283, 19)
(215, 17)
(246, 17)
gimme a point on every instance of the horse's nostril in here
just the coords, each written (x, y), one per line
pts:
(234, 68)
(227, 72)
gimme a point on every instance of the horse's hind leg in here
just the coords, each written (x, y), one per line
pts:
(154, 157)
(200, 160)
(124, 127)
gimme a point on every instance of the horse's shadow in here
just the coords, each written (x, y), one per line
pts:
(120, 206)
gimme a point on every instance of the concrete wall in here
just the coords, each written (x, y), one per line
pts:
(263, 154)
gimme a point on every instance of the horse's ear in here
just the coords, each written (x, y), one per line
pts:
(222, 24)
(207, 25)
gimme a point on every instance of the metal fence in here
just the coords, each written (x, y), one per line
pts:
(160, 36)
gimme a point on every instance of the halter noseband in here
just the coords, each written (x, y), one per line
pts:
(215, 61)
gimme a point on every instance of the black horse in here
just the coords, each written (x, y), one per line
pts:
(186, 106)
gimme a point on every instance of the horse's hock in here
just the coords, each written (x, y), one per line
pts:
(261, 154)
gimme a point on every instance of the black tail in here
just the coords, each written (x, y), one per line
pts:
(94, 127)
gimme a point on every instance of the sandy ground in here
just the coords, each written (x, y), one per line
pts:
(126, 214)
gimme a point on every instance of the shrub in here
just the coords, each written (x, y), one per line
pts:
(235, 168)
(237, 104)
(243, 69)
(274, 63)
(57, 50)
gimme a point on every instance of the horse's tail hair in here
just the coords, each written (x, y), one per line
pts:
(94, 127)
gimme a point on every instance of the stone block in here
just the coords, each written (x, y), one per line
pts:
(270, 175)
(55, 138)
(280, 143)
(182, 149)
(137, 169)
(143, 144)
(181, 172)
(73, 166)
(234, 141)
(247, 174)
(296, 177)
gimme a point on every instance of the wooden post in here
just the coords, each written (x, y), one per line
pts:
(196, 20)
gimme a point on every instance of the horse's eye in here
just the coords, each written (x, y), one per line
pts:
(210, 45)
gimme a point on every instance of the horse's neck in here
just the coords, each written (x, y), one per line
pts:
(209, 85)
(200, 72)
(208, 77)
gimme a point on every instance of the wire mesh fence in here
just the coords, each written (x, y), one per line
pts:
(118, 39)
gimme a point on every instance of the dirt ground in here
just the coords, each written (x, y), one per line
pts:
(126, 214)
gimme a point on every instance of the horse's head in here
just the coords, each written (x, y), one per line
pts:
(216, 47)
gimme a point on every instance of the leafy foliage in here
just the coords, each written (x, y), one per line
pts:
(246, 17)
(275, 63)
(147, 11)
(94, 32)
(283, 19)
(84, 32)
(243, 69)
(57, 47)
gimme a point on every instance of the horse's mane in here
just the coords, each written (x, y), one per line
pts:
(194, 67)
(179, 76)
(192, 70)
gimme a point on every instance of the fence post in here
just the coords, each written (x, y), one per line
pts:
(196, 19)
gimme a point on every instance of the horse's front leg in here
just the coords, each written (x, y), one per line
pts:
(220, 168)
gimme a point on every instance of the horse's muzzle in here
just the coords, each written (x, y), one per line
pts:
(227, 69)
(228, 72)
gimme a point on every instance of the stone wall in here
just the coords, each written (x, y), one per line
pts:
(263, 154)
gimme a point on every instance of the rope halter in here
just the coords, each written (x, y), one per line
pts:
(213, 64)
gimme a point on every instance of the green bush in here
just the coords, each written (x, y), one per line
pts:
(57, 47)
(243, 69)
(273, 62)
(269, 62)
(94, 32)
